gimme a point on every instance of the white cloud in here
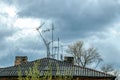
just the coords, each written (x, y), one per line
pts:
(27, 23)
(8, 10)
(8, 14)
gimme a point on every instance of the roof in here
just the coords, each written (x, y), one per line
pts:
(57, 67)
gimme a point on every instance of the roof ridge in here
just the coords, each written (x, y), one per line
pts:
(77, 70)
(61, 63)
(94, 70)
(83, 67)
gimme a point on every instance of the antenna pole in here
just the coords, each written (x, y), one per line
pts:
(52, 37)
(62, 52)
(58, 50)
(44, 40)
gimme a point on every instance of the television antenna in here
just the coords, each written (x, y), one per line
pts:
(44, 40)
(47, 44)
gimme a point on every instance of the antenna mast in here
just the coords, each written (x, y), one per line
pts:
(47, 44)
(52, 37)
(58, 50)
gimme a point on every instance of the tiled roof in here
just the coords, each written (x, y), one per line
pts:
(57, 67)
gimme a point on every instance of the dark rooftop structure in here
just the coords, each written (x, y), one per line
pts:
(20, 60)
(44, 63)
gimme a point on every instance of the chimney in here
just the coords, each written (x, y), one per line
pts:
(69, 59)
(20, 60)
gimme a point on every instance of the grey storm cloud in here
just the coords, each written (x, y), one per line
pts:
(72, 16)
(110, 53)
(22, 46)
(5, 46)
(5, 32)
(73, 19)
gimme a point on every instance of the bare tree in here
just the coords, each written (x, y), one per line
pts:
(83, 56)
(110, 68)
(107, 68)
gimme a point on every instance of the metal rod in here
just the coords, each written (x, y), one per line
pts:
(45, 42)
(52, 37)
(58, 50)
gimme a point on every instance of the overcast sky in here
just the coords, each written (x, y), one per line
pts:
(96, 22)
